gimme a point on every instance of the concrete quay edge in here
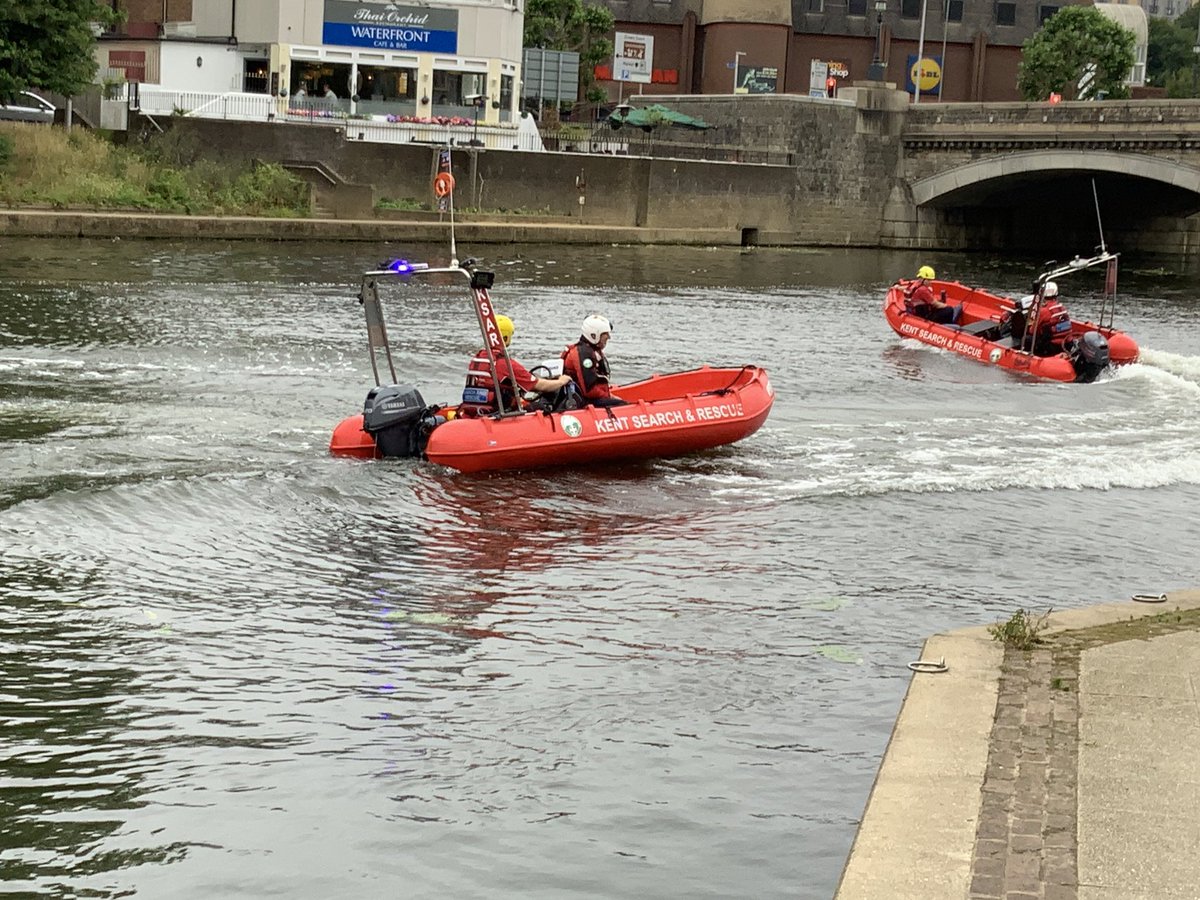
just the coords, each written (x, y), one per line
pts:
(130, 225)
(917, 835)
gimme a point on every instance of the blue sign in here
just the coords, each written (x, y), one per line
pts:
(388, 26)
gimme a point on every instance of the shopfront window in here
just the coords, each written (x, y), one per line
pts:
(321, 86)
(506, 97)
(451, 90)
(256, 76)
(387, 91)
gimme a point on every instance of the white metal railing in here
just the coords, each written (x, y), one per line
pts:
(156, 101)
(491, 137)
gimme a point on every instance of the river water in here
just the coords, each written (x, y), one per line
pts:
(236, 666)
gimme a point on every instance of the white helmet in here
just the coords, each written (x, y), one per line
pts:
(594, 326)
(1050, 290)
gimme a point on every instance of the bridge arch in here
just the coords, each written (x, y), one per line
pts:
(940, 189)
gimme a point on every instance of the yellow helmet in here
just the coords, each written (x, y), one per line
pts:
(504, 323)
(926, 272)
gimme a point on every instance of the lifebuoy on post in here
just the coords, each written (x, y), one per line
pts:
(443, 184)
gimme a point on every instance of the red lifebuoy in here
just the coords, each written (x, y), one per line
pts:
(443, 184)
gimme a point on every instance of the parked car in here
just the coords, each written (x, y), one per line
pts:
(29, 107)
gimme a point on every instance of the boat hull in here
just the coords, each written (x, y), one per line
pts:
(665, 415)
(981, 308)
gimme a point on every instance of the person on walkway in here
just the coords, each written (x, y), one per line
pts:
(585, 362)
(926, 304)
(479, 395)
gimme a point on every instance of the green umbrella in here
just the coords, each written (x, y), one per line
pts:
(650, 117)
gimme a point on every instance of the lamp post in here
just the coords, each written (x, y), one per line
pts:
(476, 100)
(877, 70)
(920, 54)
(737, 58)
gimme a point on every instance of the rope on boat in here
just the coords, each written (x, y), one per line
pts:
(931, 666)
(1149, 598)
(721, 392)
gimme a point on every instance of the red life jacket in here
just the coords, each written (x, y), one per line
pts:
(479, 393)
(1054, 322)
(588, 367)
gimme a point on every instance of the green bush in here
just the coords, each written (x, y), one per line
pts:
(1022, 631)
(169, 190)
(82, 169)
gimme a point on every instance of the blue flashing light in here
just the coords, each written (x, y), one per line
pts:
(403, 266)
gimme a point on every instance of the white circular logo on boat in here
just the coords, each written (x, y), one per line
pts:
(995, 355)
(571, 426)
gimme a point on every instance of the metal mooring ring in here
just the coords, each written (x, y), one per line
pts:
(929, 665)
(1149, 598)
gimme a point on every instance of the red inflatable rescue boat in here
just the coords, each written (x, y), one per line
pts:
(1033, 334)
(664, 415)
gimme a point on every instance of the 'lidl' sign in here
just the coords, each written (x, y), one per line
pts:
(928, 74)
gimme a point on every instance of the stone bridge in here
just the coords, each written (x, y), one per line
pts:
(1011, 174)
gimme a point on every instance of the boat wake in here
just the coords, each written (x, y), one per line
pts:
(1185, 367)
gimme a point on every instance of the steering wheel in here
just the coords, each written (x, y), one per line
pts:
(537, 372)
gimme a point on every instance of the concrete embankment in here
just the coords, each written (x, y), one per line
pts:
(77, 224)
(1065, 772)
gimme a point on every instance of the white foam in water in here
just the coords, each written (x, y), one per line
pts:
(1185, 367)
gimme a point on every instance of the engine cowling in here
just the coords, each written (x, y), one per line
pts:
(1089, 356)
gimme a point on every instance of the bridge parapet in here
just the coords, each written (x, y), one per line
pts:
(1132, 125)
(1140, 126)
(1113, 113)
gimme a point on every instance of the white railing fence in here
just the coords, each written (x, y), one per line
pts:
(235, 106)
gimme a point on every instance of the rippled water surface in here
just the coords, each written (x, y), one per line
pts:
(235, 666)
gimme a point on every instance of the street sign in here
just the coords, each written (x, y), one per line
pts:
(633, 57)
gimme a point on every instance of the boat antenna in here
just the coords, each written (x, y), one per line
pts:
(453, 247)
(1095, 198)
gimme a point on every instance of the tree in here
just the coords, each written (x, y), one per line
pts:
(572, 25)
(49, 44)
(1072, 40)
(1170, 59)
(1168, 49)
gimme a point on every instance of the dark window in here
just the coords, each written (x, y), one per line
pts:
(954, 11)
(1006, 13)
(857, 7)
(816, 5)
(910, 9)
(1045, 12)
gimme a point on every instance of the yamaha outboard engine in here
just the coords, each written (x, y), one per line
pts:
(395, 416)
(1089, 356)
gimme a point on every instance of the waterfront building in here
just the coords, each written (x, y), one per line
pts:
(345, 57)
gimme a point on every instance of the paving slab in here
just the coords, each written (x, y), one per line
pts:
(1067, 771)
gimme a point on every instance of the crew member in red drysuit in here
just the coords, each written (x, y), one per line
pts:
(586, 364)
(479, 395)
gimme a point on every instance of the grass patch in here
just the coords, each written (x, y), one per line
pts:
(402, 203)
(83, 170)
(1022, 631)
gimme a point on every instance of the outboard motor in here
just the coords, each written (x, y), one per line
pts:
(395, 415)
(1089, 356)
